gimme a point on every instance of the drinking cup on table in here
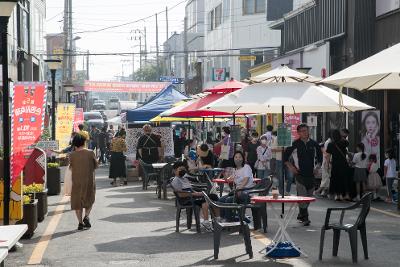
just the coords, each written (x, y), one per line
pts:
(275, 193)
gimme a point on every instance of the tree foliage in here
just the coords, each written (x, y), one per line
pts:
(148, 73)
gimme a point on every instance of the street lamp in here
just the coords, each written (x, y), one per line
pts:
(6, 8)
(54, 65)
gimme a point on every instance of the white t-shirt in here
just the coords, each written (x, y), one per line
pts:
(359, 162)
(391, 168)
(240, 174)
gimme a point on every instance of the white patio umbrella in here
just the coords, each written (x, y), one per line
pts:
(378, 72)
(283, 74)
(290, 97)
(298, 97)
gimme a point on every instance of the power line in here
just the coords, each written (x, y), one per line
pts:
(131, 22)
(165, 52)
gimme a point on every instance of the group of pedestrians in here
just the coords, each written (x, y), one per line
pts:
(347, 176)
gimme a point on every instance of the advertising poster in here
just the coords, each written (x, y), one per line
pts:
(79, 119)
(294, 120)
(28, 110)
(370, 132)
(65, 116)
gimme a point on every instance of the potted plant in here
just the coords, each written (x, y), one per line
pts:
(53, 179)
(30, 215)
(40, 193)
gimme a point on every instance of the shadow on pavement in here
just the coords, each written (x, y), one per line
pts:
(54, 236)
(182, 242)
(140, 217)
(237, 261)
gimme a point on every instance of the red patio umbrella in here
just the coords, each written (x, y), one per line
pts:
(193, 110)
(227, 87)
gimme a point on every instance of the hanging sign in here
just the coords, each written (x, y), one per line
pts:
(79, 118)
(64, 123)
(27, 121)
(284, 135)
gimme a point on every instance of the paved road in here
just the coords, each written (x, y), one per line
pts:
(132, 227)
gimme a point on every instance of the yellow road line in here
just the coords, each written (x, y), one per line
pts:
(388, 213)
(41, 246)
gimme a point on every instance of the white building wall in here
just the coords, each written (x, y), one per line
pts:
(237, 31)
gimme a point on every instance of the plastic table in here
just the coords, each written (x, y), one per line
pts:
(282, 236)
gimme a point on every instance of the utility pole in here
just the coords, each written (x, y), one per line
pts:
(166, 19)
(71, 48)
(185, 50)
(87, 65)
(145, 46)
(133, 64)
(157, 52)
(66, 43)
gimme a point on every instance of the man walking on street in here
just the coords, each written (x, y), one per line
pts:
(93, 139)
(307, 155)
(102, 141)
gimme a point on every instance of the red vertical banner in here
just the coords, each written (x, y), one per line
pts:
(294, 120)
(28, 111)
(79, 119)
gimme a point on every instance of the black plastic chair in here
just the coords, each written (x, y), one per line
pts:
(186, 203)
(162, 180)
(364, 205)
(218, 226)
(259, 210)
(148, 173)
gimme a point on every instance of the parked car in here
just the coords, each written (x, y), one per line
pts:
(99, 106)
(93, 118)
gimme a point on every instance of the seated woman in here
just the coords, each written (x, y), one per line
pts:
(182, 184)
(206, 157)
(243, 181)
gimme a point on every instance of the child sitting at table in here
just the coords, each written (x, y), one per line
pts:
(181, 184)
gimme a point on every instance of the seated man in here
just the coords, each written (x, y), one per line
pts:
(181, 184)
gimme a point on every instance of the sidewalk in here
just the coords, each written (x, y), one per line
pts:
(132, 227)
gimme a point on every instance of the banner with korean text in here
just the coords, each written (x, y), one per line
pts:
(294, 120)
(28, 110)
(79, 119)
(65, 116)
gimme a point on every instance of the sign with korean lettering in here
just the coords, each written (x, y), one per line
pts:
(48, 145)
(79, 118)
(64, 123)
(173, 80)
(294, 120)
(27, 121)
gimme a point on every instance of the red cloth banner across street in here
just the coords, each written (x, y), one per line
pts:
(128, 87)
(28, 110)
(79, 119)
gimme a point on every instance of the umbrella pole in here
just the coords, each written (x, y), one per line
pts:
(283, 167)
(203, 126)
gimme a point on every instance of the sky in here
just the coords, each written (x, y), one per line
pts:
(96, 14)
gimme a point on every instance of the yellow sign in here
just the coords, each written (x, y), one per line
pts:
(247, 58)
(64, 123)
(16, 199)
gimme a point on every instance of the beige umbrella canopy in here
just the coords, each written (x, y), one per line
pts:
(283, 74)
(378, 72)
(294, 97)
